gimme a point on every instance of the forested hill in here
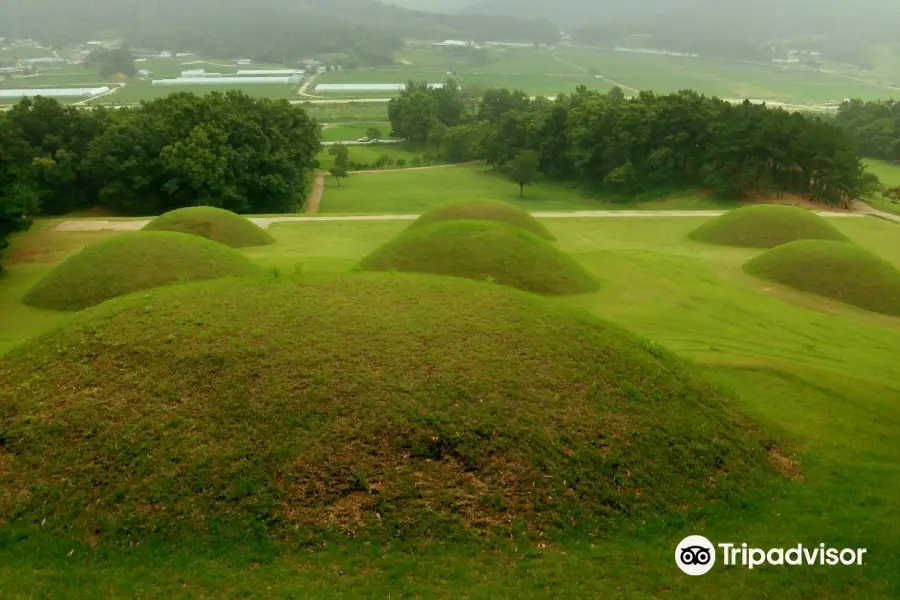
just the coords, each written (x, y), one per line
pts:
(263, 29)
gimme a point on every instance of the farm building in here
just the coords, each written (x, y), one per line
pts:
(54, 93)
(270, 72)
(226, 80)
(453, 43)
(366, 87)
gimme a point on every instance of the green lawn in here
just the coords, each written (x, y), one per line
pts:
(347, 132)
(821, 374)
(370, 153)
(889, 174)
(415, 191)
(397, 74)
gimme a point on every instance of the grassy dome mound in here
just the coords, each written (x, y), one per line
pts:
(485, 210)
(483, 250)
(766, 226)
(412, 405)
(215, 224)
(836, 270)
(132, 262)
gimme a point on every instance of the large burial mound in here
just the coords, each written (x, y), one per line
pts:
(836, 270)
(411, 405)
(485, 210)
(215, 224)
(766, 226)
(485, 251)
(132, 262)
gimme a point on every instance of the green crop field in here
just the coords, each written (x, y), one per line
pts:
(23, 52)
(726, 79)
(80, 78)
(819, 377)
(346, 112)
(549, 72)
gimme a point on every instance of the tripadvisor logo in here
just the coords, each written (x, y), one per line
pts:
(696, 555)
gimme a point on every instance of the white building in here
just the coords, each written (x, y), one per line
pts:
(453, 43)
(269, 72)
(367, 87)
(54, 93)
(225, 80)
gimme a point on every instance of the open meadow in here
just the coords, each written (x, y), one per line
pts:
(819, 377)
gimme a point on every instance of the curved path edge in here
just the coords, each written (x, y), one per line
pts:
(265, 222)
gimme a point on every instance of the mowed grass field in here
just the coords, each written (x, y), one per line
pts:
(819, 376)
(414, 191)
(344, 132)
(370, 153)
(889, 175)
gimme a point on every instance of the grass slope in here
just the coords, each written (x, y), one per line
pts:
(765, 226)
(483, 250)
(216, 224)
(132, 262)
(484, 209)
(429, 401)
(836, 270)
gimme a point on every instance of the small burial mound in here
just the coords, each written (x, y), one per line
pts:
(412, 406)
(485, 210)
(132, 262)
(485, 251)
(215, 224)
(766, 226)
(835, 270)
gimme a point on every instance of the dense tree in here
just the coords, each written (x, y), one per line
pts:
(373, 133)
(112, 62)
(341, 156)
(649, 142)
(422, 112)
(524, 169)
(874, 126)
(225, 150)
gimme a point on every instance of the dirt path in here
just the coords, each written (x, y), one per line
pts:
(462, 164)
(265, 222)
(865, 209)
(315, 196)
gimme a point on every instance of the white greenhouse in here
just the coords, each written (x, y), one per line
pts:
(54, 92)
(367, 87)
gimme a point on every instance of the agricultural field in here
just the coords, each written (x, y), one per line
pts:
(23, 52)
(549, 72)
(817, 377)
(726, 79)
(77, 78)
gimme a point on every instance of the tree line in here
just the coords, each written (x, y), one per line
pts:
(605, 141)
(226, 150)
(874, 127)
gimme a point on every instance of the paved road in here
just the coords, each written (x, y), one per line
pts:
(355, 143)
(265, 222)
